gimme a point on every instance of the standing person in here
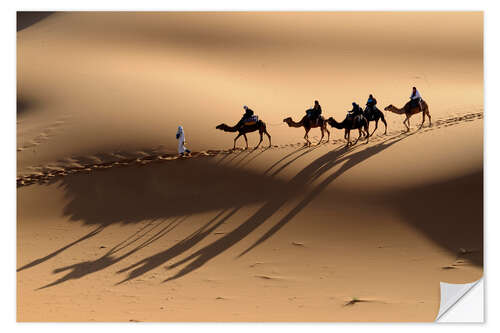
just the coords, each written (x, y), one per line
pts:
(182, 141)
(415, 99)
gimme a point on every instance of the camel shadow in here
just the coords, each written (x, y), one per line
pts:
(318, 167)
(55, 253)
(163, 190)
(160, 258)
(158, 192)
(84, 268)
(92, 200)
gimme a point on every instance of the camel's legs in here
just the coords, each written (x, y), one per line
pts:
(376, 126)
(348, 132)
(429, 116)
(306, 136)
(327, 131)
(407, 121)
(246, 140)
(322, 135)
(423, 119)
(260, 132)
(385, 123)
(360, 133)
(236, 138)
(269, 137)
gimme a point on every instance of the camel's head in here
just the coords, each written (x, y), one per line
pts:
(389, 107)
(287, 120)
(332, 122)
(221, 126)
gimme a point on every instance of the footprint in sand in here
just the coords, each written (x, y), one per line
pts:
(46, 133)
(104, 161)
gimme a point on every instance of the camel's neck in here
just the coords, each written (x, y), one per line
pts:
(292, 123)
(338, 125)
(335, 124)
(397, 110)
(230, 128)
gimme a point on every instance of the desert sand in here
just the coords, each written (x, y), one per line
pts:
(113, 226)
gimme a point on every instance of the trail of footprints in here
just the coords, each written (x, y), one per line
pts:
(46, 133)
(88, 164)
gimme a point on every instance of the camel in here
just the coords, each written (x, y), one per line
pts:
(410, 112)
(359, 122)
(375, 115)
(307, 123)
(244, 129)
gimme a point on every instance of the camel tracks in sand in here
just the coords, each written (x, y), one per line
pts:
(109, 160)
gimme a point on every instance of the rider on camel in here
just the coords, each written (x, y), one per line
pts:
(315, 112)
(247, 116)
(415, 99)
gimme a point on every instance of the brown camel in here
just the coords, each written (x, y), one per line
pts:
(307, 123)
(375, 115)
(244, 129)
(410, 112)
(359, 122)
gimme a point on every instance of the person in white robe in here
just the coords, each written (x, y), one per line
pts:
(415, 98)
(181, 148)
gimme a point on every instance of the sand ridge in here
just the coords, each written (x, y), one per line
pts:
(79, 166)
(112, 225)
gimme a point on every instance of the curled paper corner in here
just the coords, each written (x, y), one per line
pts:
(452, 294)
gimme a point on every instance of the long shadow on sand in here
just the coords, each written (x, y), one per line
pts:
(163, 190)
(55, 253)
(318, 167)
(170, 190)
(158, 191)
(84, 268)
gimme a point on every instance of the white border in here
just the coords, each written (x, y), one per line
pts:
(468, 308)
(492, 165)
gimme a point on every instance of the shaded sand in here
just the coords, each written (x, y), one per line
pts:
(113, 226)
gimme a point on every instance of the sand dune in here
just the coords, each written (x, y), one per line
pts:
(114, 226)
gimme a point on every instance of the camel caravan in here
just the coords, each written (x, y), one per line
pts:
(356, 119)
